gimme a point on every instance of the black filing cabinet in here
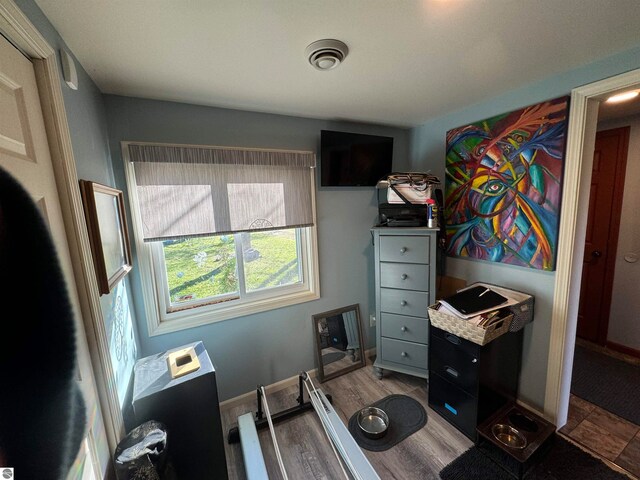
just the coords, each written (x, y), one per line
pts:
(187, 404)
(469, 382)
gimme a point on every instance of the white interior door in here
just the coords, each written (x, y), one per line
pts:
(25, 154)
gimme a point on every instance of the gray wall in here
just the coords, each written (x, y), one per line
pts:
(85, 108)
(269, 346)
(88, 125)
(624, 318)
(428, 152)
(274, 345)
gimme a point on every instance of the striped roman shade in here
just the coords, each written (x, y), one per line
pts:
(188, 191)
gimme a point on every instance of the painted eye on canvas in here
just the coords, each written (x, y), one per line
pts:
(495, 187)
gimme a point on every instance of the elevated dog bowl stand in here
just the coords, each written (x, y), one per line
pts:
(538, 432)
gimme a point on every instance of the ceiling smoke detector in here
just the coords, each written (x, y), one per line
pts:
(326, 54)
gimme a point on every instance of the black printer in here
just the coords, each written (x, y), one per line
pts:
(402, 215)
(406, 196)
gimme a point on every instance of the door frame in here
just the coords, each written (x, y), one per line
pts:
(583, 119)
(24, 35)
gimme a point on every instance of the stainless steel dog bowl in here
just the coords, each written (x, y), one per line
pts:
(373, 422)
(509, 436)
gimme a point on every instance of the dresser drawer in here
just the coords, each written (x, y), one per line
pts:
(404, 248)
(409, 276)
(454, 364)
(404, 302)
(454, 404)
(460, 343)
(412, 329)
(405, 353)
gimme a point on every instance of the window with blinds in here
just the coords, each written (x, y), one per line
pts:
(224, 230)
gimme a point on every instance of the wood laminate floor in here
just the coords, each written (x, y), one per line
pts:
(344, 362)
(306, 451)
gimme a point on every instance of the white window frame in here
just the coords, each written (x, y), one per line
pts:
(151, 268)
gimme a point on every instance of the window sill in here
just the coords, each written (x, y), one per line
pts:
(199, 317)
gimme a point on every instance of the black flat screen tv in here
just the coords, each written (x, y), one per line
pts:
(354, 159)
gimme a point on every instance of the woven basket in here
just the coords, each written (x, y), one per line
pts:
(522, 314)
(522, 311)
(462, 328)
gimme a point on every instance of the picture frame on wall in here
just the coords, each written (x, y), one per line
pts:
(108, 234)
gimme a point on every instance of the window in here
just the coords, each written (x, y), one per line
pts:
(214, 269)
(221, 232)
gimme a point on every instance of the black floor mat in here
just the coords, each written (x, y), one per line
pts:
(406, 416)
(607, 382)
(564, 461)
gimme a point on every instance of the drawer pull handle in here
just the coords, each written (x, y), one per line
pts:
(403, 354)
(450, 408)
(451, 371)
(453, 339)
(403, 329)
(403, 276)
(403, 249)
(403, 303)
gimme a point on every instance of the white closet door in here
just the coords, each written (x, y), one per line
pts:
(24, 152)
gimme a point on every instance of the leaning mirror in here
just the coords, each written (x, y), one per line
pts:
(339, 347)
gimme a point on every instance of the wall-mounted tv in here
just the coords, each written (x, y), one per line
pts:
(354, 159)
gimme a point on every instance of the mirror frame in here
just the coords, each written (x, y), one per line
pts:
(357, 364)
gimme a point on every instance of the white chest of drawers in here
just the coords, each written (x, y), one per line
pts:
(405, 271)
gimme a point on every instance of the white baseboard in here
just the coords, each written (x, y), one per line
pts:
(274, 387)
(281, 385)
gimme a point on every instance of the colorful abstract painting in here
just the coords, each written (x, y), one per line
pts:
(503, 186)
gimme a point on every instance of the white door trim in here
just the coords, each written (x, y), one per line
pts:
(22, 33)
(583, 118)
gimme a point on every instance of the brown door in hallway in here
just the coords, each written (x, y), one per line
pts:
(605, 202)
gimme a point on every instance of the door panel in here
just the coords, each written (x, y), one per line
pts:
(609, 163)
(15, 134)
(24, 152)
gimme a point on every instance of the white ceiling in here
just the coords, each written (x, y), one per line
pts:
(409, 60)
(609, 111)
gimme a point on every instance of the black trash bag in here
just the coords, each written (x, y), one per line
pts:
(142, 454)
